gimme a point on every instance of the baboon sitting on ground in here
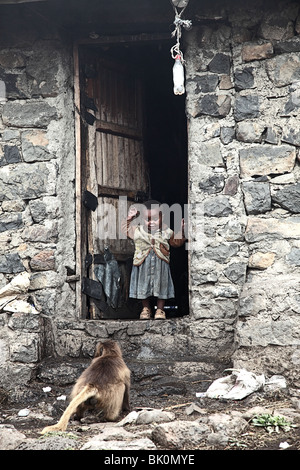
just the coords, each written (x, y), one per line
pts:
(104, 385)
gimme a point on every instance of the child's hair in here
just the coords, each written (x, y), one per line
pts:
(153, 204)
(150, 203)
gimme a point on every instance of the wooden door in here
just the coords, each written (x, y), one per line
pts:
(116, 175)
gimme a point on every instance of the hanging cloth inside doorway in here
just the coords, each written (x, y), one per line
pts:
(108, 274)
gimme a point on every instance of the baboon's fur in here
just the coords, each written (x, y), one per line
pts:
(104, 385)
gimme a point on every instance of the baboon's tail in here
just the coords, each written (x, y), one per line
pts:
(87, 392)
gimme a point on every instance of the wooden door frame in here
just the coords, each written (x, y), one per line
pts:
(79, 186)
(78, 182)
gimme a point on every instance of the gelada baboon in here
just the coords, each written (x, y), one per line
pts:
(104, 385)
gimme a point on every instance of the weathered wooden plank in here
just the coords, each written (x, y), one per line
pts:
(108, 191)
(119, 130)
(80, 239)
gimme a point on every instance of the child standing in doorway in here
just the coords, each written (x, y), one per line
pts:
(151, 275)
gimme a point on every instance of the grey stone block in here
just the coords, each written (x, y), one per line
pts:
(45, 76)
(207, 83)
(220, 64)
(236, 272)
(222, 252)
(12, 154)
(11, 263)
(283, 47)
(289, 198)
(266, 160)
(210, 155)
(214, 105)
(29, 114)
(294, 257)
(10, 222)
(213, 184)
(232, 185)
(249, 131)
(292, 136)
(227, 135)
(284, 69)
(27, 181)
(218, 207)
(244, 79)
(246, 107)
(271, 136)
(34, 153)
(257, 197)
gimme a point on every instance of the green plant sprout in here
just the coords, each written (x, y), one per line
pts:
(272, 423)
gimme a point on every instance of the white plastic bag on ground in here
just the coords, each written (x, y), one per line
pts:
(276, 382)
(13, 296)
(18, 285)
(236, 386)
(19, 306)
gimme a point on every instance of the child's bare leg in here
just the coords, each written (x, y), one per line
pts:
(161, 303)
(146, 303)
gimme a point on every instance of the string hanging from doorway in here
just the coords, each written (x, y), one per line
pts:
(176, 53)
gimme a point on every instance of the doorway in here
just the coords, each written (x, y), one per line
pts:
(144, 155)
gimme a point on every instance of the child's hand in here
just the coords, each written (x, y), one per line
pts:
(132, 213)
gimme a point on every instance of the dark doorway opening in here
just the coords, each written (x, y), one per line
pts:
(166, 153)
(164, 141)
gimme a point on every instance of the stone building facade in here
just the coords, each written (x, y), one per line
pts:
(242, 106)
(244, 149)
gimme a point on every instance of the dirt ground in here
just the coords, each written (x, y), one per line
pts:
(254, 438)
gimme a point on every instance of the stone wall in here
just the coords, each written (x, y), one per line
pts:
(37, 195)
(243, 85)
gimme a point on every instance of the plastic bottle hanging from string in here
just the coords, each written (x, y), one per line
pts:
(176, 53)
(178, 76)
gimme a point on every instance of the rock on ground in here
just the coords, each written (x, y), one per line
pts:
(10, 438)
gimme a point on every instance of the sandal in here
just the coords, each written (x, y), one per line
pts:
(145, 314)
(160, 314)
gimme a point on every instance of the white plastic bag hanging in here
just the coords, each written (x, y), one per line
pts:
(178, 76)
